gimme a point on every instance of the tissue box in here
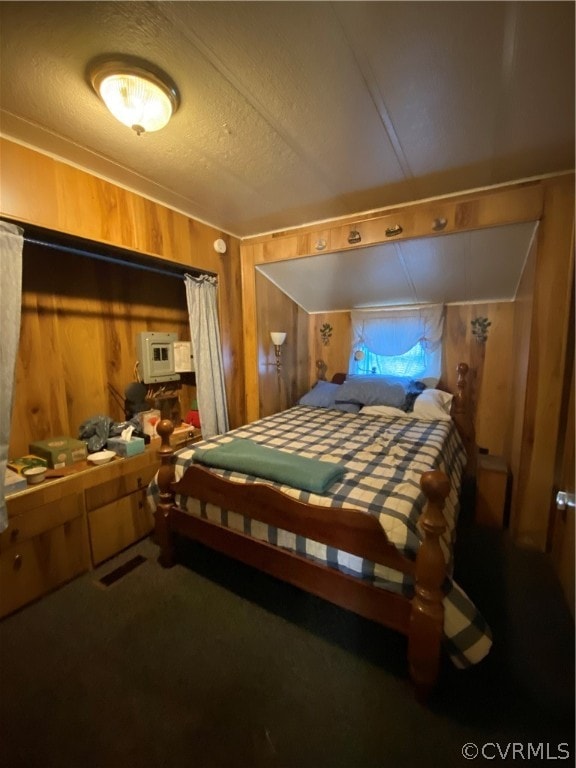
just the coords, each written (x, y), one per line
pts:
(126, 448)
(59, 451)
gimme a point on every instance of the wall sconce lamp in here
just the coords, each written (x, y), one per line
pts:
(278, 338)
(137, 93)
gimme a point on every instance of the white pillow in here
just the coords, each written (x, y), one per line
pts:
(383, 410)
(433, 404)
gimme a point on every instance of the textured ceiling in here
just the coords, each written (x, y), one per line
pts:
(298, 112)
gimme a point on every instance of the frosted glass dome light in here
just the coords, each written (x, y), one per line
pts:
(142, 98)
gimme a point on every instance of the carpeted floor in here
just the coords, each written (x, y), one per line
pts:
(212, 665)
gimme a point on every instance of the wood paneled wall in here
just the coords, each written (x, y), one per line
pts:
(78, 332)
(39, 190)
(490, 368)
(277, 312)
(547, 372)
(519, 381)
(335, 353)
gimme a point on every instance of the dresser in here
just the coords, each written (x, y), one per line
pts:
(45, 544)
(116, 508)
(64, 527)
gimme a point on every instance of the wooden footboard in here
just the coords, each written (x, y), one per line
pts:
(421, 618)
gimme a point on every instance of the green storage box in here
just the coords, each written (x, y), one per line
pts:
(59, 451)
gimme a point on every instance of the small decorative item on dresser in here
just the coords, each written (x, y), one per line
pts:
(34, 475)
(101, 457)
(22, 463)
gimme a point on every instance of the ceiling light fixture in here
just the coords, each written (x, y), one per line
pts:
(136, 92)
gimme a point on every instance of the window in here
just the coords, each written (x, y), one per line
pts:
(398, 342)
(411, 364)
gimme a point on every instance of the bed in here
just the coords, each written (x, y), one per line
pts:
(373, 535)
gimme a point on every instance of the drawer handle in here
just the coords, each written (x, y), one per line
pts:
(139, 482)
(14, 534)
(17, 562)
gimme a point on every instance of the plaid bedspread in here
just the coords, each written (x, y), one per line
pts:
(384, 460)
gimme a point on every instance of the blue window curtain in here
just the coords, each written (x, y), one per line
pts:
(395, 332)
(207, 351)
(11, 244)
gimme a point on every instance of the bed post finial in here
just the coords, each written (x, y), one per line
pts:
(165, 497)
(427, 616)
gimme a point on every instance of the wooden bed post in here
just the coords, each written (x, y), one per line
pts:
(166, 476)
(427, 616)
(464, 418)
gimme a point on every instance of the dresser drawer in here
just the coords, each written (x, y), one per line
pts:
(104, 493)
(40, 519)
(115, 526)
(37, 565)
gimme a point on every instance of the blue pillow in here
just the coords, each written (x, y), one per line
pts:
(372, 391)
(347, 407)
(323, 395)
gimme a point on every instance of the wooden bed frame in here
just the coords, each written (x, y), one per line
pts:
(420, 618)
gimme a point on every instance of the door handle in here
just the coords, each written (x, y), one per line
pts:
(564, 500)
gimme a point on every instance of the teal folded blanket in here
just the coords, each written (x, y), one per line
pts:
(243, 455)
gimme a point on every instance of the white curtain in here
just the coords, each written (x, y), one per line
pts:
(393, 332)
(207, 351)
(11, 243)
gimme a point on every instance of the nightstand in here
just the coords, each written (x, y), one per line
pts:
(492, 487)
